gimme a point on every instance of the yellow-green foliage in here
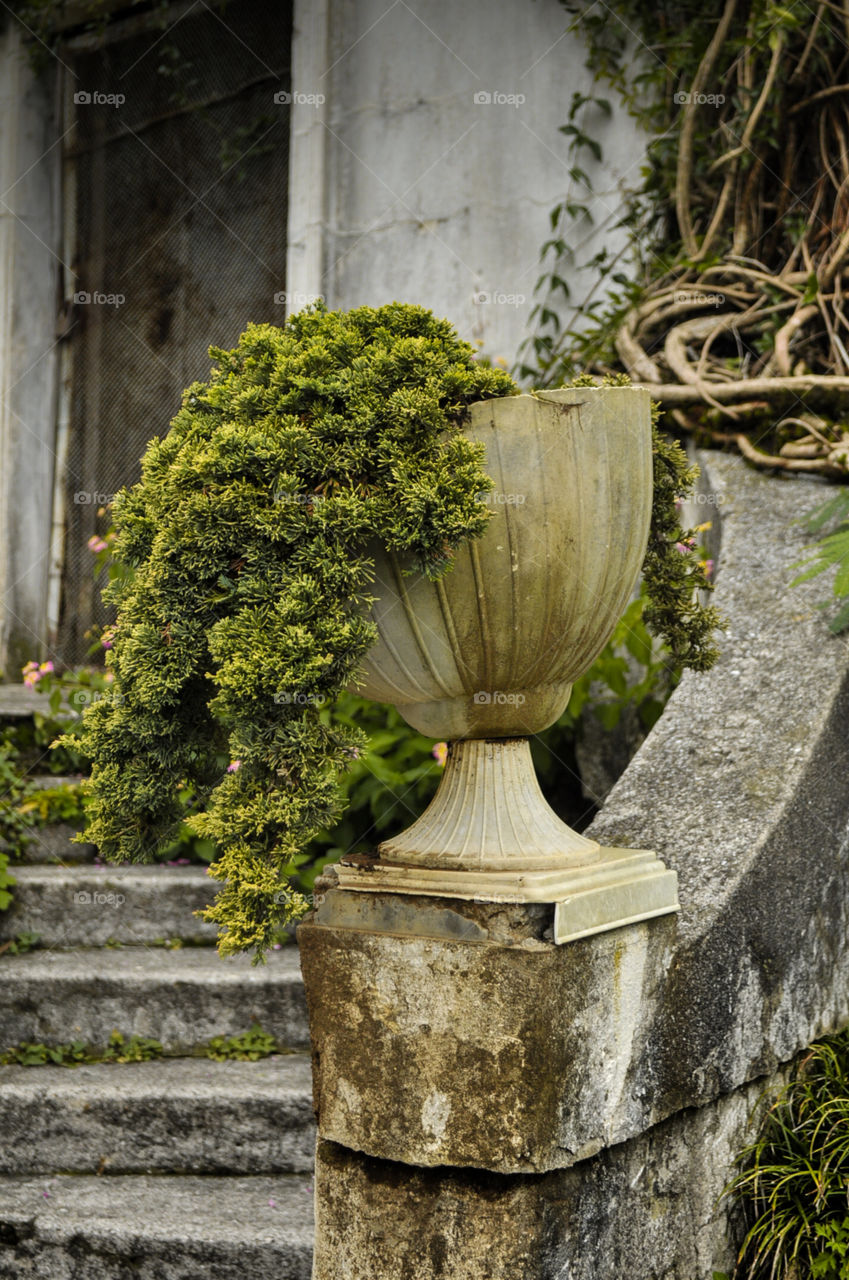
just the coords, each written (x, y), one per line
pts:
(242, 607)
(792, 1179)
(248, 541)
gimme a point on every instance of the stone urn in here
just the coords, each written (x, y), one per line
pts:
(485, 658)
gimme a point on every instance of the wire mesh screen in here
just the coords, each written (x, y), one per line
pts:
(181, 158)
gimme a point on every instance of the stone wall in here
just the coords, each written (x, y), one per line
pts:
(491, 1105)
(428, 172)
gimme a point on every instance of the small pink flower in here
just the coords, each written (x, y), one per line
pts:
(440, 753)
(32, 672)
(272, 1204)
(234, 765)
(96, 544)
(107, 639)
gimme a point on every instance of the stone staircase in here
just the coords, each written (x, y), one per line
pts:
(179, 1168)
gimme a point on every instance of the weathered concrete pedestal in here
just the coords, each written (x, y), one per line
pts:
(423, 1011)
(452, 1079)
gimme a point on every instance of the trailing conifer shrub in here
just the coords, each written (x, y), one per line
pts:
(243, 601)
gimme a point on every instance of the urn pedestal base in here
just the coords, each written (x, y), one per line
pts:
(489, 835)
(621, 886)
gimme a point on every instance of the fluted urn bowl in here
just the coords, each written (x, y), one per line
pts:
(492, 648)
(486, 655)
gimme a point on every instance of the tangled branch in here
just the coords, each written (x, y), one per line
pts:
(739, 324)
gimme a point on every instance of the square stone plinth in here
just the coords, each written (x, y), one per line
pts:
(447, 1032)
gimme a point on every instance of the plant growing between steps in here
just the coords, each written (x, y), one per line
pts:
(119, 1049)
(248, 1046)
(243, 611)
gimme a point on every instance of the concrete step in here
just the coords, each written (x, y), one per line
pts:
(155, 1228)
(181, 998)
(55, 844)
(89, 906)
(20, 702)
(176, 1115)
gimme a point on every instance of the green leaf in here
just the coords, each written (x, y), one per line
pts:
(841, 620)
(639, 643)
(812, 288)
(838, 506)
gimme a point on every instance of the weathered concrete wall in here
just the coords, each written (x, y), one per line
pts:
(28, 309)
(425, 191)
(641, 1047)
(643, 1210)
